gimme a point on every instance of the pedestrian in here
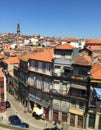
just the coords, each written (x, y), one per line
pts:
(56, 124)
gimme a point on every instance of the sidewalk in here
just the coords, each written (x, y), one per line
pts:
(18, 109)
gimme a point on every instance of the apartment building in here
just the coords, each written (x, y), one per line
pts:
(63, 56)
(40, 80)
(95, 114)
(59, 81)
(2, 92)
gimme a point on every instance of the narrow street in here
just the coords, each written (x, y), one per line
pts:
(18, 109)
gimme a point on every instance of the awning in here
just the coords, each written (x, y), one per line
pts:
(39, 112)
(39, 101)
(98, 91)
(96, 81)
(35, 109)
(78, 86)
(77, 112)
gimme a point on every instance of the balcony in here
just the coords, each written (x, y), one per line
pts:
(54, 92)
(65, 75)
(77, 95)
(40, 71)
(56, 74)
(78, 77)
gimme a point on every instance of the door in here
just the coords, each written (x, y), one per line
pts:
(99, 123)
(55, 115)
(64, 117)
(91, 121)
(80, 121)
(72, 120)
(46, 111)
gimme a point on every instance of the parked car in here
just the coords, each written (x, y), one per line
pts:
(21, 124)
(14, 119)
(8, 105)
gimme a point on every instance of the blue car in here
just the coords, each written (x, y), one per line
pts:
(21, 124)
(14, 119)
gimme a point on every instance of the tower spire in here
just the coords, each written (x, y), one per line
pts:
(18, 29)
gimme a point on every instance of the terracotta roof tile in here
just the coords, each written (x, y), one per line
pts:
(97, 55)
(45, 55)
(93, 42)
(83, 60)
(8, 51)
(65, 46)
(12, 60)
(96, 71)
(25, 57)
(94, 47)
(70, 39)
(6, 45)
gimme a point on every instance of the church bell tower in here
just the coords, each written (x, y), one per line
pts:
(18, 29)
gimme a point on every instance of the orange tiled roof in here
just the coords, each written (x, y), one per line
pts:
(83, 60)
(45, 55)
(53, 43)
(6, 45)
(96, 54)
(65, 46)
(69, 39)
(96, 71)
(93, 42)
(25, 57)
(12, 60)
(94, 47)
(8, 51)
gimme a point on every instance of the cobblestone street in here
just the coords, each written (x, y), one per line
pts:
(18, 109)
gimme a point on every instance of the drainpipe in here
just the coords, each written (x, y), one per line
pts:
(51, 109)
(88, 97)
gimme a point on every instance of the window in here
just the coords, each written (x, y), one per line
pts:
(57, 54)
(47, 84)
(63, 88)
(73, 103)
(57, 85)
(40, 65)
(82, 71)
(36, 64)
(48, 67)
(57, 69)
(81, 105)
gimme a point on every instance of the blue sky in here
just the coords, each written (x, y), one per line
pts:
(59, 18)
